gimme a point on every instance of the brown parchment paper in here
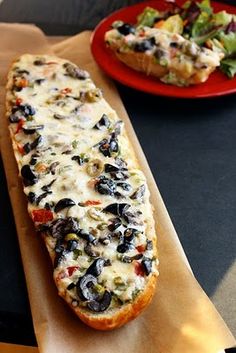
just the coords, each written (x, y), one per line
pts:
(181, 319)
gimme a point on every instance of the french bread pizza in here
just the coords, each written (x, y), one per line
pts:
(86, 194)
(156, 52)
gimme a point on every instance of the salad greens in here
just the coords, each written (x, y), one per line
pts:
(197, 22)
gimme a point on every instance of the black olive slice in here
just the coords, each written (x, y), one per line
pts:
(25, 109)
(52, 167)
(39, 81)
(129, 234)
(105, 186)
(149, 245)
(33, 159)
(31, 197)
(118, 209)
(104, 148)
(59, 246)
(42, 196)
(105, 240)
(71, 245)
(47, 187)
(60, 255)
(113, 146)
(29, 178)
(147, 265)
(111, 168)
(71, 226)
(124, 247)
(102, 304)
(87, 236)
(28, 130)
(57, 227)
(129, 259)
(124, 186)
(78, 159)
(139, 193)
(146, 44)
(60, 227)
(85, 286)
(115, 223)
(64, 203)
(103, 122)
(75, 72)
(96, 268)
(125, 29)
(117, 128)
(36, 142)
(71, 286)
(59, 116)
(90, 251)
(21, 72)
(132, 217)
(27, 147)
(174, 44)
(14, 118)
(39, 62)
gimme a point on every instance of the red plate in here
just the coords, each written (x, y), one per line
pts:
(217, 85)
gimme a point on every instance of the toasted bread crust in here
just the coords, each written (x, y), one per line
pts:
(122, 315)
(142, 62)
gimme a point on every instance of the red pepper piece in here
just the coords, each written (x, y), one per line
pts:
(139, 269)
(20, 149)
(19, 101)
(42, 215)
(23, 83)
(141, 248)
(19, 126)
(72, 269)
(66, 90)
(92, 203)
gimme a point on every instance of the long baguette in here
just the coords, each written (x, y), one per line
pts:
(86, 194)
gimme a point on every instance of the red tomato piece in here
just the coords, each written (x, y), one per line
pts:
(139, 269)
(92, 202)
(19, 101)
(72, 269)
(66, 90)
(20, 149)
(23, 83)
(141, 248)
(19, 125)
(42, 215)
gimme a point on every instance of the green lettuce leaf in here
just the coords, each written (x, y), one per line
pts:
(222, 18)
(205, 6)
(228, 41)
(228, 67)
(203, 24)
(147, 17)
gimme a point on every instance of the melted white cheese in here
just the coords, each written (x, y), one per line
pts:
(75, 133)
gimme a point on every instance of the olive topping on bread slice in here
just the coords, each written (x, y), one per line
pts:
(86, 193)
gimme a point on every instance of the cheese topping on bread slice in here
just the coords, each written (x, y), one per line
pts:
(86, 193)
(157, 52)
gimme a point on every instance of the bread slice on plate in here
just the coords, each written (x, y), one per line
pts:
(86, 193)
(159, 53)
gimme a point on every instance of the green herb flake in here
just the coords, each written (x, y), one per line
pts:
(75, 144)
(76, 254)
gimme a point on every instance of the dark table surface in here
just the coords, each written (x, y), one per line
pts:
(191, 149)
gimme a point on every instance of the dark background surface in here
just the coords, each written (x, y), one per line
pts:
(191, 149)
